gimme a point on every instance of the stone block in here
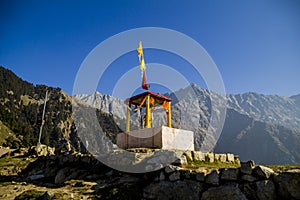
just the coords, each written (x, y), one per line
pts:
(247, 167)
(248, 178)
(200, 176)
(230, 157)
(212, 178)
(229, 174)
(210, 157)
(262, 172)
(158, 137)
(198, 156)
(188, 155)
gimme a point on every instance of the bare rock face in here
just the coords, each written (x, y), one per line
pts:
(288, 185)
(231, 192)
(262, 172)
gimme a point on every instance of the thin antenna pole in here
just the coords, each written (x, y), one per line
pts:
(43, 122)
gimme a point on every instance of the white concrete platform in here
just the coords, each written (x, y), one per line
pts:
(159, 137)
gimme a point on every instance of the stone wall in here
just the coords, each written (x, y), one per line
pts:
(249, 181)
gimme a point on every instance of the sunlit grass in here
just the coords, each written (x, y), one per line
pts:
(282, 168)
(212, 165)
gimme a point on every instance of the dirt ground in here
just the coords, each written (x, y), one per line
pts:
(78, 190)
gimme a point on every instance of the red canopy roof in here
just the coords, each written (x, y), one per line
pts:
(157, 99)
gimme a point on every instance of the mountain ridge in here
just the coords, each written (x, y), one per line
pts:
(269, 120)
(263, 111)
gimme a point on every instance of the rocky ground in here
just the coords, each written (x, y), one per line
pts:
(77, 176)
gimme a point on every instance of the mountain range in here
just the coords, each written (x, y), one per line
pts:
(264, 128)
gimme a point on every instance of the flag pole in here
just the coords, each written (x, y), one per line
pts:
(43, 122)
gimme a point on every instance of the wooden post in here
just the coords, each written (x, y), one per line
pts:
(169, 115)
(128, 119)
(148, 112)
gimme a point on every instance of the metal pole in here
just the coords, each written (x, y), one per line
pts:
(41, 128)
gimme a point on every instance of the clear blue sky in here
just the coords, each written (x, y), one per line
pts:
(255, 44)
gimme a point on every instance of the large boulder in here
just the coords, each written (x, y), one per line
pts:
(247, 167)
(262, 172)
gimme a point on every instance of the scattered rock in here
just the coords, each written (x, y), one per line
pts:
(40, 150)
(247, 167)
(262, 172)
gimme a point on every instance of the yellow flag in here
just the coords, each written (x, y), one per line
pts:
(140, 50)
(142, 65)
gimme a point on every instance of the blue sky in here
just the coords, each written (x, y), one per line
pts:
(255, 44)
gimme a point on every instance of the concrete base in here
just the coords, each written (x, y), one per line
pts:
(159, 137)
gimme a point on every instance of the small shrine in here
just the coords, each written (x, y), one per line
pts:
(164, 136)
